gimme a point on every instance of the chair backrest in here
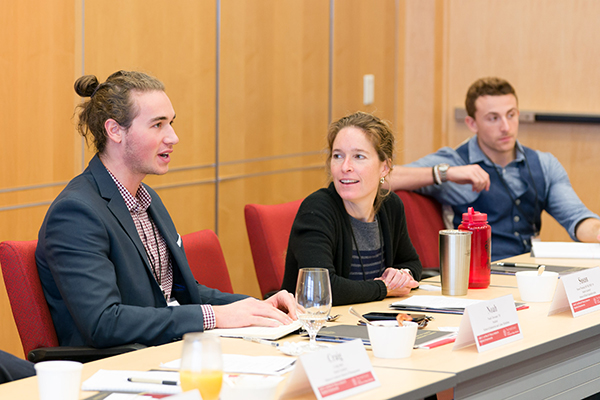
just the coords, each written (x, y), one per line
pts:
(424, 220)
(29, 307)
(269, 229)
(206, 260)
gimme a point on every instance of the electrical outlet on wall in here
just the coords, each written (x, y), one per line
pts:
(368, 89)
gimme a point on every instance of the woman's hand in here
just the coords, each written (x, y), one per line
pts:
(398, 282)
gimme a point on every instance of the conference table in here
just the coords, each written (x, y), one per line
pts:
(558, 357)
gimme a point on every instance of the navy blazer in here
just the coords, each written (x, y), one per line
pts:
(96, 275)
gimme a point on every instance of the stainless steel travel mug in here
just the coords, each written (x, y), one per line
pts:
(455, 259)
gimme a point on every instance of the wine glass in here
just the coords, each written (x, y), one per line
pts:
(313, 294)
(202, 364)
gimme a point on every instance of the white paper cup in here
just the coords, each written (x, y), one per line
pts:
(388, 340)
(250, 387)
(58, 380)
(534, 288)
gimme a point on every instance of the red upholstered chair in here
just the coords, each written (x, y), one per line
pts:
(31, 312)
(27, 300)
(206, 260)
(269, 229)
(424, 221)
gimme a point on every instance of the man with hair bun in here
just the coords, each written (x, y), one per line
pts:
(495, 174)
(110, 260)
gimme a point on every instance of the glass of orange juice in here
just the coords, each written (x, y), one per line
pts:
(202, 364)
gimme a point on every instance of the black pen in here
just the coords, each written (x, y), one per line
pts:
(261, 341)
(150, 380)
(521, 265)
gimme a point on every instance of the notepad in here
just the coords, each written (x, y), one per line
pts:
(262, 332)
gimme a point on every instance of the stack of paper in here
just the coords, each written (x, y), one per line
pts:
(439, 304)
(261, 332)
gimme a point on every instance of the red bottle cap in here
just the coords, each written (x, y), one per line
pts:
(474, 216)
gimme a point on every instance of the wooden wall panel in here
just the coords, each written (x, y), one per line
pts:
(364, 42)
(176, 44)
(37, 60)
(191, 207)
(420, 84)
(273, 79)
(548, 50)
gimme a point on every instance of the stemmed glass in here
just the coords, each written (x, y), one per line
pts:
(313, 294)
(202, 364)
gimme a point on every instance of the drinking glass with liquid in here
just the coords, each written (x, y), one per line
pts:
(202, 364)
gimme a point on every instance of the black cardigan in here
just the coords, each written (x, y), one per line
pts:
(321, 237)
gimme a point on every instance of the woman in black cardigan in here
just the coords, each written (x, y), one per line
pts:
(355, 213)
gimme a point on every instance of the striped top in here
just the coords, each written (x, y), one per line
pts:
(370, 250)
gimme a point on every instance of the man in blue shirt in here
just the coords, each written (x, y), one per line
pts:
(495, 174)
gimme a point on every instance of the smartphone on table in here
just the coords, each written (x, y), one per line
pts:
(420, 319)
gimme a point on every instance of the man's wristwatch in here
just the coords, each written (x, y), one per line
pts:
(443, 170)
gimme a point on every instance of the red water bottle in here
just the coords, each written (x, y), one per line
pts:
(481, 248)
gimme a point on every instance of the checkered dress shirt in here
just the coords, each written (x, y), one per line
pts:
(163, 271)
(154, 243)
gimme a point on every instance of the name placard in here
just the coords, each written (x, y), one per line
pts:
(489, 324)
(579, 291)
(334, 373)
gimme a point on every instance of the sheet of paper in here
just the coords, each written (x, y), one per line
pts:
(116, 381)
(241, 364)
(565, 250)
